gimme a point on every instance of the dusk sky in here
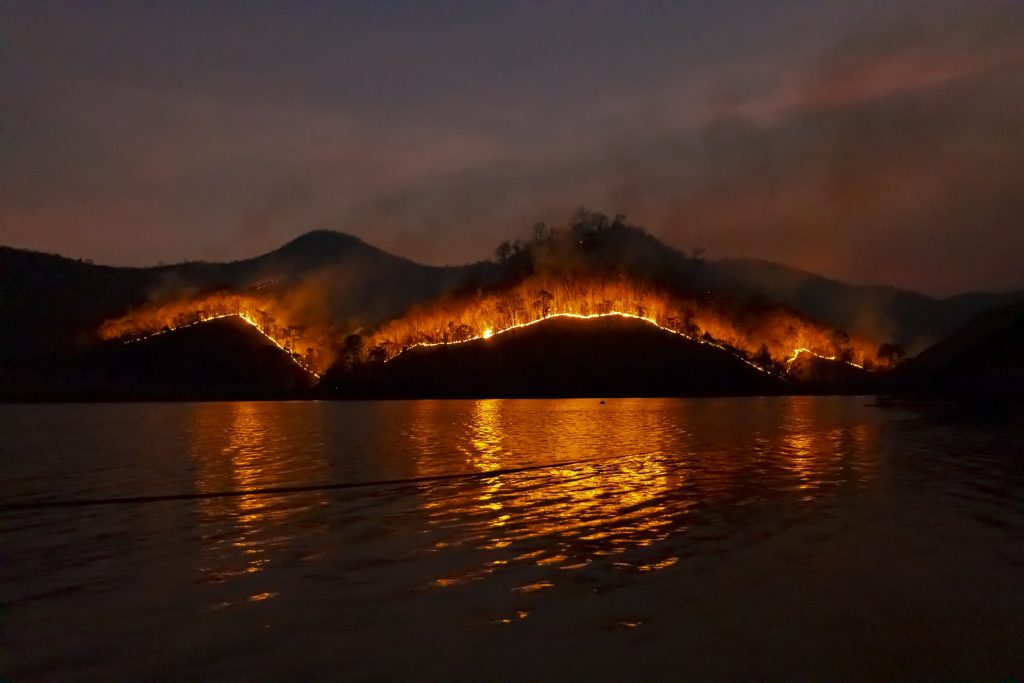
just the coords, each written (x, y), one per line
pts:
(870, 142)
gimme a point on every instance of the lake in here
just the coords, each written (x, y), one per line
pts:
(645, 539)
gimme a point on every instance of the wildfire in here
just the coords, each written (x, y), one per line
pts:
(489, 333)
(798, 352)
(767, 338)
(151, 321)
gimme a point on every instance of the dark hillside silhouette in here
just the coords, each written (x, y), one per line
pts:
(559, 357)
(54, 305)
(913, 320)
(983, 362)
(219, 359)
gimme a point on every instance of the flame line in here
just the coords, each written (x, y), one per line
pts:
(491, 333)
(796, 354)
(241, 316)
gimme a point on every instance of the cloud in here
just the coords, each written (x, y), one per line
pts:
(890, 153)
(894, 157)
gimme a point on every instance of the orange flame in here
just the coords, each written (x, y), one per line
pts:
(768, 337)
(311, 347)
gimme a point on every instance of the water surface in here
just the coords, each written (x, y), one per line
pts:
(776, 538)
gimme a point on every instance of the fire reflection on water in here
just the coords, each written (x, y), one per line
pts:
(584, 506)
(631, 486)
(629, 481)
(818, 457)
(240, 446)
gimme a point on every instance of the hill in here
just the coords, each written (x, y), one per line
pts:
(913, 320)
(218, 359)
(610, 356)
(981, 362)
(54, 305)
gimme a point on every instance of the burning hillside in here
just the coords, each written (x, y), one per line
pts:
(597, 267)
(607, 355)
(592, 268)
(311, 346)
(768, 337)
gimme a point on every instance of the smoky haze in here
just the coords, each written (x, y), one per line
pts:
(866, 142)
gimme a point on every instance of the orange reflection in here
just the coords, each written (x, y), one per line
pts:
(485, 455)
(625, 477)
(820, 446)
(239, 446)
(592, 506)
(799, 441)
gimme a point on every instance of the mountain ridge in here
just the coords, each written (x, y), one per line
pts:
(916, 320)
(324, 236)
(54, 303)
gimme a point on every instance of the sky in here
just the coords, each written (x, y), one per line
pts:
(872, 142)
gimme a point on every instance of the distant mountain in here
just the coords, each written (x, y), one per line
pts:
(912, 320)
(982, 361)
(560, 357)
(51, 304)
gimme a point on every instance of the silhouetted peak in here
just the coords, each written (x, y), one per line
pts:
(321, 240)
(316, 248)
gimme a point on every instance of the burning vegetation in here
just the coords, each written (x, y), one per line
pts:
(598, 267)
(312, 347)
(593, 267)
(770, 338)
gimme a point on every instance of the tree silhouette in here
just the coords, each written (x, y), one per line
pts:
(510, 307)
(891, 354)
(377, 355)
(503, 251)
(543, 302)
(762, 358)
(352, 350)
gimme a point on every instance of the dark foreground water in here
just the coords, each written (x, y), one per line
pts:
(727, 539)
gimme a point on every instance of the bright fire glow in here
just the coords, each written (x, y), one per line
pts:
(150, 321)
(798, 352)
(769, 338)
(487, 334)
